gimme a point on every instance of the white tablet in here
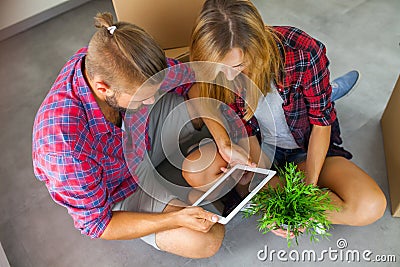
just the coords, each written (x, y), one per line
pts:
(217, 198)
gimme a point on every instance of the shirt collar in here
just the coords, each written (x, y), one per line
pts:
(98, 125)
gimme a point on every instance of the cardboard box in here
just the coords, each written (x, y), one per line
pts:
(390, 123)
(170, 22)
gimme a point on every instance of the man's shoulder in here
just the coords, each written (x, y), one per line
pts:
(68, 71)
(58, 124)
(61, 117)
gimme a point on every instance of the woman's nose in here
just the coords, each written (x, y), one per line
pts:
(230, 73)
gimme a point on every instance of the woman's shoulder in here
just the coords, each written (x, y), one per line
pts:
(293, 38)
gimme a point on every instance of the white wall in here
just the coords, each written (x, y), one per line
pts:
(3, 259)
(14, 11)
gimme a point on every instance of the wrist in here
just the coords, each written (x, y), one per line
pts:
(311, 180)
(172, 219)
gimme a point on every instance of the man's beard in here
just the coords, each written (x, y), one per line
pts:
(112, 102)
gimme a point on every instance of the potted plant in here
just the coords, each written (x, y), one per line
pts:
(295, 206)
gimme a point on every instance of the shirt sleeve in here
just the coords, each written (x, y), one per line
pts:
(179, 77)
(78, 185)
(317, 88)
(238, 127)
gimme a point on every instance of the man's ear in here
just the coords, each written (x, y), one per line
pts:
(103, 89)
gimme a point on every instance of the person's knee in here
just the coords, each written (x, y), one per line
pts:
(376, 207)
(194, 195)
(194, 176)
(194, 179)
(202, 166)
(212, 241)
(369, 209)
(191, 244)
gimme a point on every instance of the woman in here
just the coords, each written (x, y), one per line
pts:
(292, 68)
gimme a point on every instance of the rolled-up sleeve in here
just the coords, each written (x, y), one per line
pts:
(78, 185)
(239, 128)
(317, 88)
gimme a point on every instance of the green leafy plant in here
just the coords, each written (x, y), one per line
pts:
(294, 206)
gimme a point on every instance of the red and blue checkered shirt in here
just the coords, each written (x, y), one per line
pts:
(306, 90)
(79, 154)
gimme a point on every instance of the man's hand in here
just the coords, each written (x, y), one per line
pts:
(195, 218)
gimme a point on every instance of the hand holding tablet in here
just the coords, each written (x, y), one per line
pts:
(216, 198)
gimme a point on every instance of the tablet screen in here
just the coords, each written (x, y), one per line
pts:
(224, 198)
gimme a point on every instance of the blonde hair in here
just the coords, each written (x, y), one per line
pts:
(226, 24)
(122, 53)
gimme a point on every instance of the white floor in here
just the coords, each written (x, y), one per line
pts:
(34, 231)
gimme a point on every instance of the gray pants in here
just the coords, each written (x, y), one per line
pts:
(169, 124)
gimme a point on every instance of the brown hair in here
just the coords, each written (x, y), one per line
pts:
(126, 55)
(226, 24)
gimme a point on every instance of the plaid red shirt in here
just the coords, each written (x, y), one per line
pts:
(79, 154)
(238, 127)
(306, 92)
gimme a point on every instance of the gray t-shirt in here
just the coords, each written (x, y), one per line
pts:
(272, 121)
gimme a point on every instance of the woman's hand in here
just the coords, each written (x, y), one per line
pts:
(283, 233)
(235, 154)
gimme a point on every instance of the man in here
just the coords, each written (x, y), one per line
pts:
(78, 144)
